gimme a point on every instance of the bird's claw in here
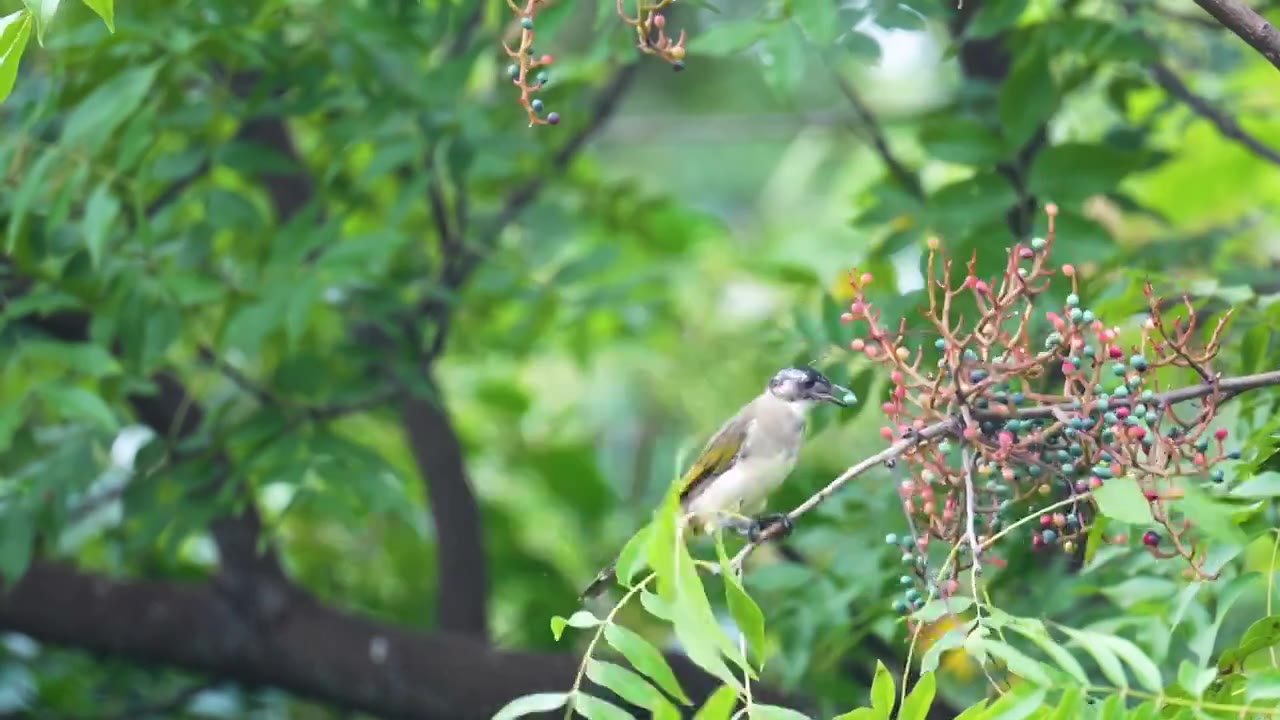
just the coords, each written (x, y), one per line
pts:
(773, 526)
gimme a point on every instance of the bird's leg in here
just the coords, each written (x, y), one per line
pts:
(775, 525)
(740, 525)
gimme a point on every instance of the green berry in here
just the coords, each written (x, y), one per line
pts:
(906, 581)
(891, 539)
(1037, 243)
(1138, 362)
(526, 23)
(542, 77)
(536, 104)
(1073, 299)
(513, 71)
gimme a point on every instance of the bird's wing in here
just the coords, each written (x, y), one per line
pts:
(720, 453)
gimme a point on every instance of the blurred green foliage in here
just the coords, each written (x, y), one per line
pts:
(636, 297)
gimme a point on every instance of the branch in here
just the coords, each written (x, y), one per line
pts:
(1226, 124)
(312, 650)
(462, 589)
(1248, 25)
(871, 127)
(1227, 387)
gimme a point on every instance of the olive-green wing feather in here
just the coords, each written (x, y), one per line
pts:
(719, 454)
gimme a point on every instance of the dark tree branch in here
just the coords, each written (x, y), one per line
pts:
(1248, 25)
(1166, 78)
(871, 127)
(1201, 106)
(311, 650)
(462, 591)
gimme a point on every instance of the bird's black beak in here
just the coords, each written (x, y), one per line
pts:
(838, 395)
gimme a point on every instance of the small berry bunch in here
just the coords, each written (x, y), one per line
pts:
(527, 69)
(1035, 423)
(651, 32)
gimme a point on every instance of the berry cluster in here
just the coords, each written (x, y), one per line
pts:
(1035, 423)
(527, 69)
(651, 32)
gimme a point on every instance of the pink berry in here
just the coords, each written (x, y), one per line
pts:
(1220, 434)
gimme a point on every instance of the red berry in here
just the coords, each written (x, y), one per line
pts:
(1150, 538)
(1220, 433)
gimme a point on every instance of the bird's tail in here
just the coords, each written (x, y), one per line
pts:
(603, 579)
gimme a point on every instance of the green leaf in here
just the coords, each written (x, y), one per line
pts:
(862, 713)
(73, 402)
(972, 203)
(633, 557)
(1019, 663)
(719, 706)
(84, 357)
(106, 11)
(645, 658)
(110, 104)
(15, 31)
(820, 21)
(580, 619)
(1068, 707)
(17, 538)
(100, 214)
(920, 699)
(882, 695)
(1265, 484)
(628, 685)
(43, 12)
(952, 639)
(1112, 708)
(995, 16)
(1071, 172)
(593, 708)
(1027, 98)
(530, 704)
(744, 610)
(1021, 703)
(1107, 661)
(1213, 518)
(1263, 685)
(938, 607)
(782, 55)
(1036, 633)
(962, 140)
(727, 38)
(1145, 671)
(775, 712)
(1262, 634)
(1121, 499)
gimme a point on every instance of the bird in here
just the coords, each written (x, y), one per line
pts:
(747, 459)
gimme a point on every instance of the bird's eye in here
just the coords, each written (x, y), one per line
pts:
(808, 383)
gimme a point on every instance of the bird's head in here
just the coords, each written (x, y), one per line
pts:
(807, 386)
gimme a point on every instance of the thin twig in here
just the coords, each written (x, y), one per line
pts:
(1201, 106)
(871, 127)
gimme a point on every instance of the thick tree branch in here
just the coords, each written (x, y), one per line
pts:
(311, 649)
(1248, 25)
(462, 591)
